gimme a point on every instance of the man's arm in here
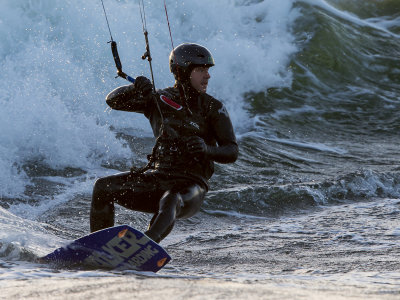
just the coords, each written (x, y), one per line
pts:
(226, 150)
(134, 97)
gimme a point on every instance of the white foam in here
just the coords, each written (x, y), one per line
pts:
(307, 145)
(381, 25)
(18, 235)
(57, 68)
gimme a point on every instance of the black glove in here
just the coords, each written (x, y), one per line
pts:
(222, 154)
(143, 86)
(196, 146)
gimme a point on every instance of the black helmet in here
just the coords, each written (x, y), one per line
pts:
(187, 56)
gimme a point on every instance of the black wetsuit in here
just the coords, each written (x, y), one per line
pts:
(192, 135)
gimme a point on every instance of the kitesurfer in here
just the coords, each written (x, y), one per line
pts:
(192, 130)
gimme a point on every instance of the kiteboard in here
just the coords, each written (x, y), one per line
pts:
(119, 247)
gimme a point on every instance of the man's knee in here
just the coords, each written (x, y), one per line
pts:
(192, 199)
(101, 185)
(171, 202)
(100, 197)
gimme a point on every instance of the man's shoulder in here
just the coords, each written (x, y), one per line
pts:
(210, 98)
(215, 106)
(171, 92)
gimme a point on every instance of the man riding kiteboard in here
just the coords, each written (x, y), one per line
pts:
(192, 130)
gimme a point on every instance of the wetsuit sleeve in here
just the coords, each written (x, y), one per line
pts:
(136, 97)
(226, 150)
(127, 99)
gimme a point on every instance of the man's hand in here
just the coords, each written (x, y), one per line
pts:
(143, 86)
(197, 146)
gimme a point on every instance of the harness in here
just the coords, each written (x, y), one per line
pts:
(178, 124)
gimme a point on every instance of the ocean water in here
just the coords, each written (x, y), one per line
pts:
(309, 211)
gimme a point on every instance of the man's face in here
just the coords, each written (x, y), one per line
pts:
(199, 79)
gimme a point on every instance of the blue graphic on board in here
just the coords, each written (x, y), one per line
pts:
(120, 247)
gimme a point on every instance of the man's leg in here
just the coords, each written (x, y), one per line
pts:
(175, 203)
(163, 222)
(102, 208)
(126, 190)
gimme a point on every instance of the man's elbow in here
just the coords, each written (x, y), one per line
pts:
(120, 94)
(231, 154)
(235, 153)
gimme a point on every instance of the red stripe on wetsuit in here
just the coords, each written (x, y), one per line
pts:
(171, 103)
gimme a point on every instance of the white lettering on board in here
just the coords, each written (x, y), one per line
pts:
(119, 249)
(143, 256)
